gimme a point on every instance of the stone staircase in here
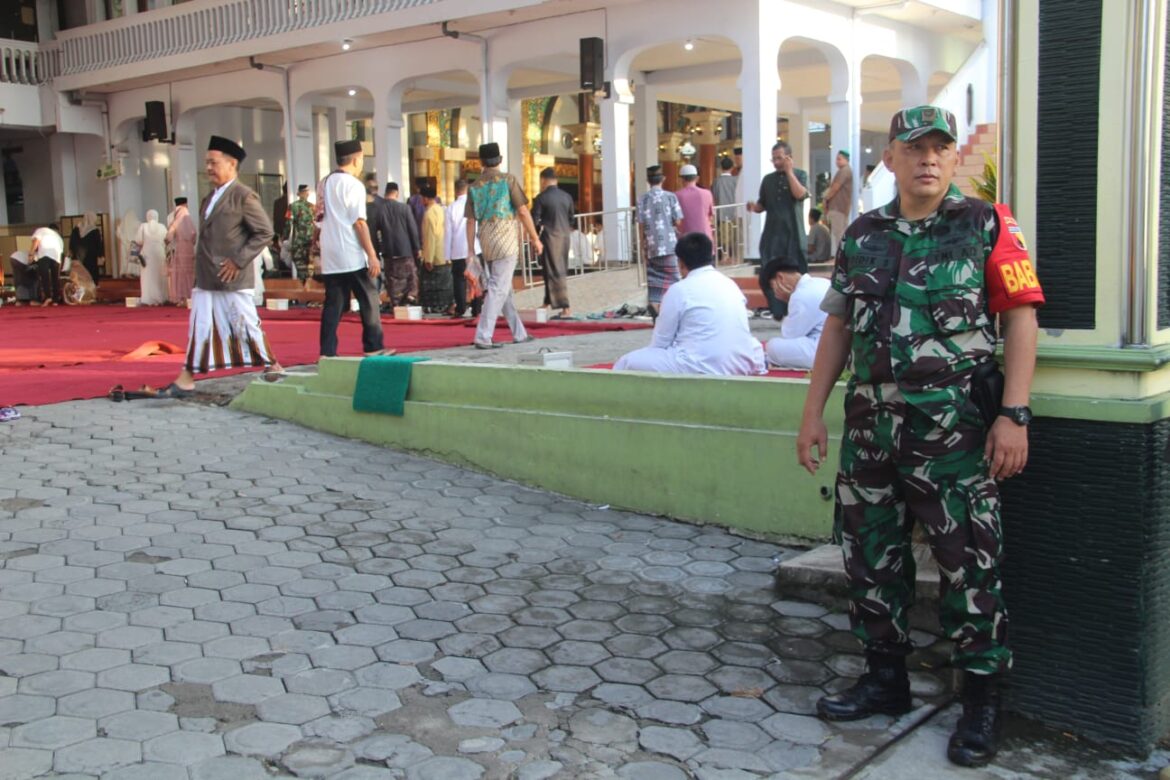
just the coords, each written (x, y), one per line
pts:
(982, 141)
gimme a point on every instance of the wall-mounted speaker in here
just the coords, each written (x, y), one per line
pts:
(592, 64)
(154, 127)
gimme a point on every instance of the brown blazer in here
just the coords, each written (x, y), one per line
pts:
(237, 229)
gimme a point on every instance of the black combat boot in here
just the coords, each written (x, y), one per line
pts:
(883, 690)
(974, 741)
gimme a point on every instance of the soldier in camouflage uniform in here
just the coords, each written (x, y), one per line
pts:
(298, 231)
(915, 292)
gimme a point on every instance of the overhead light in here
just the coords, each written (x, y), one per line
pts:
(869, 150)
(352, 92)
(346, 44)
(689, 45)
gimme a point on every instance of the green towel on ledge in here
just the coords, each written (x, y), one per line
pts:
(382, 384)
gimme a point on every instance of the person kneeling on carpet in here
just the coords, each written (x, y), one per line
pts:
(702, 327)
(800, 330)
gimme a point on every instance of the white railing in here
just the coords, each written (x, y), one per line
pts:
(25, 63)
(587, 246)
(205, 25)
(730, 234)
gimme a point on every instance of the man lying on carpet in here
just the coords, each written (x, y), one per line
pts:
(800, 330)
(702, 327)
(224, 329)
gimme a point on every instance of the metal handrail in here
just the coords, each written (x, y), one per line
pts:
(629, 244)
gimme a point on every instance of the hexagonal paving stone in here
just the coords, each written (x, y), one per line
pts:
(95, 659)
(459, 668)
(568, 679)
(797, 728)
(680, 687)
(391, 676)
(229, 768)
(627, 670)
(20, 763)
(139, 724)
(150, 770)
(636, 646)
(95, 703)
(183, 747)
(501, 686)
(168, 653)
(516, 660)
(52, 733)
(134, 677)
(129, 637)
(602, 727)
(261, 739)
(407, 651)
(320, 682)
(247, 688)
(365, 702)
(529, 636)
(292, 708)
(20, 708)
(343, 657)
(58, 683)
(445, 768)
(685, 662)
(484, 713)
(96, 756)
(206, 670)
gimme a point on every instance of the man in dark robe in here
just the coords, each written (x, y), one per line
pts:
(553, 212)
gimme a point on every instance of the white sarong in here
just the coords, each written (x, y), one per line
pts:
(225, 332)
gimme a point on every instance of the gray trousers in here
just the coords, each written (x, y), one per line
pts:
(497, 300)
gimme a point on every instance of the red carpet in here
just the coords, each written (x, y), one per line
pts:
(66, 352)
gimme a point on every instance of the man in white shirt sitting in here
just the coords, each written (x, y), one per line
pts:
(800, 330)
(702, 327)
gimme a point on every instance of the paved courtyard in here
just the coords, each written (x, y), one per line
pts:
(187, 592)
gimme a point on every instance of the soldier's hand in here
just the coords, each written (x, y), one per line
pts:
(1007, 448)
(812, 434)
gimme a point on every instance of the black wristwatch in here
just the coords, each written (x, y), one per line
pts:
(1020, 415)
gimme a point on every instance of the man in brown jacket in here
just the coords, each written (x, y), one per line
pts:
(224, 330)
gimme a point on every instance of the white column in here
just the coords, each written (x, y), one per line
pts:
(512, 141)
(615, 172)
(337, 127)
(645, 134)
(185, 162)
(63, 166)
(840, 130)
(391, 150)
(798, 138)
(759, 85)
(390, 131)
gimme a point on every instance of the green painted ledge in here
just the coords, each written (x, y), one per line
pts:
(705, 449)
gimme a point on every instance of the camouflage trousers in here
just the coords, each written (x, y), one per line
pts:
(898, 466)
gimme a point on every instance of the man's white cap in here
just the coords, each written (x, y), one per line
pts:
(688, 170)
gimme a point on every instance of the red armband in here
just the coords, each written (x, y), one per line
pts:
(1009, 273)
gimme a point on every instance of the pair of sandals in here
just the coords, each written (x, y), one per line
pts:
(118, 393)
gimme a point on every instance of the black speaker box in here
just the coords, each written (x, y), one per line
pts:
(592, 64)
(155, 125)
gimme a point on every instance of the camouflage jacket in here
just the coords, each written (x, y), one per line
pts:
(917, 301)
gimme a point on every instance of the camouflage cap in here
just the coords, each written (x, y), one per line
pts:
(911, 123)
